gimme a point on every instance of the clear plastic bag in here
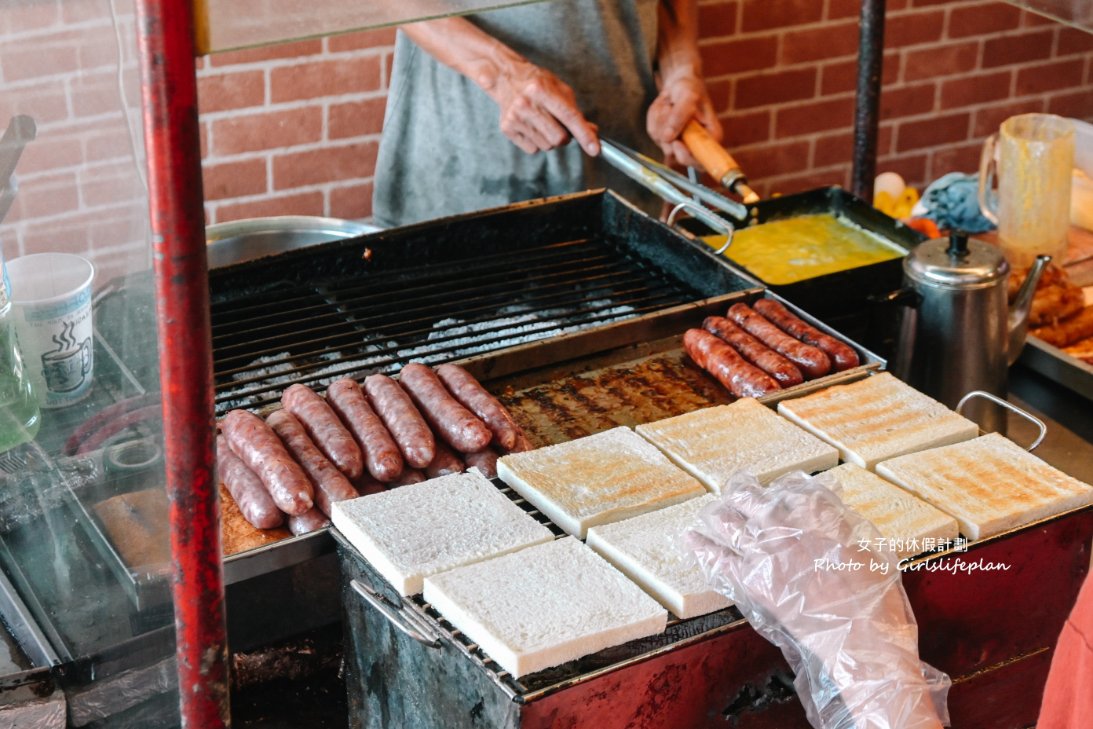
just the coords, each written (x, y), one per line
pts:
(800, 567)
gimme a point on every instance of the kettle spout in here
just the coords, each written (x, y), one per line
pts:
(1018, 314)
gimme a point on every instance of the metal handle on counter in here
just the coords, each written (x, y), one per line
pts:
(420, 632)
(661, 187)
(1011, 407)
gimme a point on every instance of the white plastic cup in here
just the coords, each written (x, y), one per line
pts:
(51, 297)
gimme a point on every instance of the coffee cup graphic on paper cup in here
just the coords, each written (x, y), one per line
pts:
(51, 294)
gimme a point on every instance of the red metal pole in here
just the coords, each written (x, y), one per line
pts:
(172, 142)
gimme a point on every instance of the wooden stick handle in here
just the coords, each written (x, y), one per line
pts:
(715, 158)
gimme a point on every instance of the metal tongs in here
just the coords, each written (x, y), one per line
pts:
(670, 186)
(21, 129)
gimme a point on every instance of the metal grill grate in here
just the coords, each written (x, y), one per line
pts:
(318, 331)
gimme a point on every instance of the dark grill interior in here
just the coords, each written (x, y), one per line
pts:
(446, 290)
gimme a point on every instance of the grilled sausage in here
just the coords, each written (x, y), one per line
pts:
(330, 484)
(366, 485)
(811, 360)
(397, 411)
(842, 355)
(149, 414)
(444, 462)
(739, 376)
(409, 476)
(325, 428)
(259, 447)
(522, 442)
(450, 420)
(484, 460)
(310, 521)
(754, 351)
(381, 453)
(470, 393)
(246, 488)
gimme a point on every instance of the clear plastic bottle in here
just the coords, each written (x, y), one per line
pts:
(19, 413)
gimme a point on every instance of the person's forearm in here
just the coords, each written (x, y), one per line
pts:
(463, 46)
(677, 40)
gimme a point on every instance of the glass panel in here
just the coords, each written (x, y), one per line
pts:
(231, 24)
(83, 536)
(1076, 13)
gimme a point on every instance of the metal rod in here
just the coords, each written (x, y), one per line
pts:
(867, 108)
(165, 30)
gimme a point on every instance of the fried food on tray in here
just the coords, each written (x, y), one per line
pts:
(1056, 298)
(1068, 331)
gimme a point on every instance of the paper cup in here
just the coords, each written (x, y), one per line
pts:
(51, 297)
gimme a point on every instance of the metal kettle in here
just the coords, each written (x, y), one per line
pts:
(957, 333)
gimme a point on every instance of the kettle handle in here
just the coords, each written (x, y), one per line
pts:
(1009, 406)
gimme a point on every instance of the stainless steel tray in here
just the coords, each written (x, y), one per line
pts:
(1058, 366)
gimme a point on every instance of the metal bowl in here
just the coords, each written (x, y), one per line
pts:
(246, 240)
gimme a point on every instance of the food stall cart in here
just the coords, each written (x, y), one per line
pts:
(129, 681)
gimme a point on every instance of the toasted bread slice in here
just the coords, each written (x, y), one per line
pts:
(905, 521)
(597, 479)
(877, 418)
(713, 443)
(544, 605)
(989, 484)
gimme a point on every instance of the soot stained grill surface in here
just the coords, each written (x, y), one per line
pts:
(446, 290)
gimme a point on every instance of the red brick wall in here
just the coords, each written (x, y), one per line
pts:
(293, 128)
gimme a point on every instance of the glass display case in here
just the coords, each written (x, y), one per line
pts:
(83, 511)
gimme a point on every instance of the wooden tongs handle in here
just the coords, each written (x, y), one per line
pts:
(716, 160)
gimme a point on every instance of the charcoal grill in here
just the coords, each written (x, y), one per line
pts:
(409, 667)
(447, 290)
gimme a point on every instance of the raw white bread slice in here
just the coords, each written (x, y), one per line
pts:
(899, 516)
(648, 550)
(877, 418)
(544, 605)
(414, 531)
(714, 443)
(989, 484)
(597, 479)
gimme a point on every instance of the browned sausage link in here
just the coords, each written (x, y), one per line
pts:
(754, 351)
(330, 484)
(739, 376)
(381, 452)
(405, 423)
(325, 428)
(842, 355)
(812, 360)
(246, 488)
(366, 485)
(450, 420)
(522, 443)
(409, 476)
(484, 460)
(260, 448)
(470, 393)
(310, 521)
(444, 462)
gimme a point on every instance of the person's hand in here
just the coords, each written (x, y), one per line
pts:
(539, 110)
(682, 98)
(799, 566)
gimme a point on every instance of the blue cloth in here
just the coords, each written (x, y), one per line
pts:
(952, 202)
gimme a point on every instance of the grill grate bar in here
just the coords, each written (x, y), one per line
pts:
(352, 338)
(393, 314)
(487, 270)
(273, 382)
(492, 332)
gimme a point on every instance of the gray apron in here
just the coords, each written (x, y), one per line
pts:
(442, 151)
